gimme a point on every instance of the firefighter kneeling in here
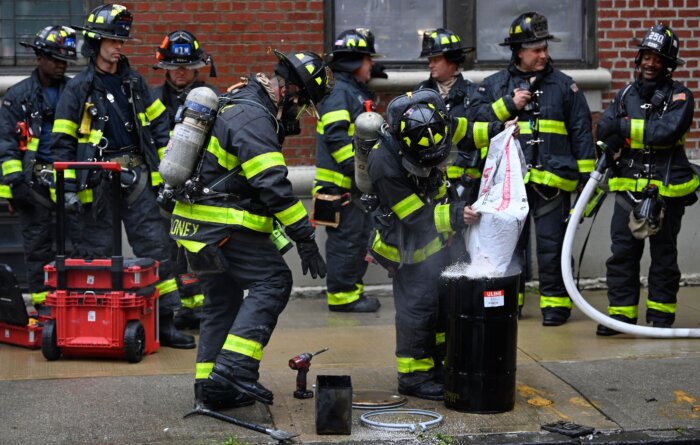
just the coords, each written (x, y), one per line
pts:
(226, 215)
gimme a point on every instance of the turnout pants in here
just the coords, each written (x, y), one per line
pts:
(549, 208)
(346, 248)
(420, 299)
(233, 330)
(145, 232)
(623, 267)
(38, 233)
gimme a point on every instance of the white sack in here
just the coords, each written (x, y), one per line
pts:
(502, 203)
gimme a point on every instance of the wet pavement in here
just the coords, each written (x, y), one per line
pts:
(630, 390)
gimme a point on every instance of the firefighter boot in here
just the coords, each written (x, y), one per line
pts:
(362, 304)
(223, 375)
(555, 316)
(170, 336)
(605, 331)
(420, 384)
(212, 396)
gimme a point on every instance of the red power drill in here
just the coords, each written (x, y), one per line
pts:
(301, 363)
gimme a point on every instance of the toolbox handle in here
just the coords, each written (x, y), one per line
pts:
(117, 258)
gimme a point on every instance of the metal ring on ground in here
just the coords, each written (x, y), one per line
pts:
(421, 426)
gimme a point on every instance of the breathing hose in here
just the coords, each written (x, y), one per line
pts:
(567, 273)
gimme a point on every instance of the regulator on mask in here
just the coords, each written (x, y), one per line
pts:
(647, 216)
(289, 115)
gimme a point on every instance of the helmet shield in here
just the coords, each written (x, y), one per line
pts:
(528, 27)
(442, 41)
(58, 42)
(424, 135)
(663, 41)
(180, 48)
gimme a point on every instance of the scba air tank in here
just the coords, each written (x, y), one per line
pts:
(367, 127)
(195, 119)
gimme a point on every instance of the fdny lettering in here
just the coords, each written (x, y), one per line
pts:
(183, 228)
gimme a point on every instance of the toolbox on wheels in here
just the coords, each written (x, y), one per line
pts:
(16, 326)
(105, 307)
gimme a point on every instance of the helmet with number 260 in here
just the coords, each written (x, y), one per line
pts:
(110, 21)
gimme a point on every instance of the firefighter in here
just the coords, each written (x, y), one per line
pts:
(644, 129)
(446, 53)
(226, 223)
(26, 120)
(107, 113)
(413, 224)
(181, 56)
(347, 233)
(555, 135)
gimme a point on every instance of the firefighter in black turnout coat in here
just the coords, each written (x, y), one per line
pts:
(346, 245)
(26, 120)
(644, 130)
(555, 136)
(414, 222)
(445, 54)
(225, 226)
(181, 56)
(107, 113)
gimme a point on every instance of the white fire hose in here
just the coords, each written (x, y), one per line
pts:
(586, 308)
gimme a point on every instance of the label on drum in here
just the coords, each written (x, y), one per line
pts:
(494, 298)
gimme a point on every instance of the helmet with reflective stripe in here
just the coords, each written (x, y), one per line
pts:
(528, 27)
(442, 41)
(424, 135)
(663, 41)
(55, 41)
(180, 48)
(110, 21)
(306, 70)
(355, 41)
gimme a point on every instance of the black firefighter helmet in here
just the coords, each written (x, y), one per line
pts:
(110, 21)
(663, 41)
(182, 49)
(529, 27)
(442, 41)
(58, 42)
(424, 135)
(306, 70)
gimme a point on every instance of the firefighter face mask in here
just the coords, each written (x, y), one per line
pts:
(292, 107)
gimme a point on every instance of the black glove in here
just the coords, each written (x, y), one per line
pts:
(21, 196)
(311, 259)
(72, 203)
(495, 128)
(457, 214)
(378, 71)
(612, 146)
(606, 128)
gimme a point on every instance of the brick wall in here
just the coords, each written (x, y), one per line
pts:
(621, 26)
(238, 33)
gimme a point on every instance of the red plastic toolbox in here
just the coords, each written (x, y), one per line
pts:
(97, 274)
(27, 336)
(119, 324)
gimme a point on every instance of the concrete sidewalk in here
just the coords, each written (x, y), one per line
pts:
(631, 390)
